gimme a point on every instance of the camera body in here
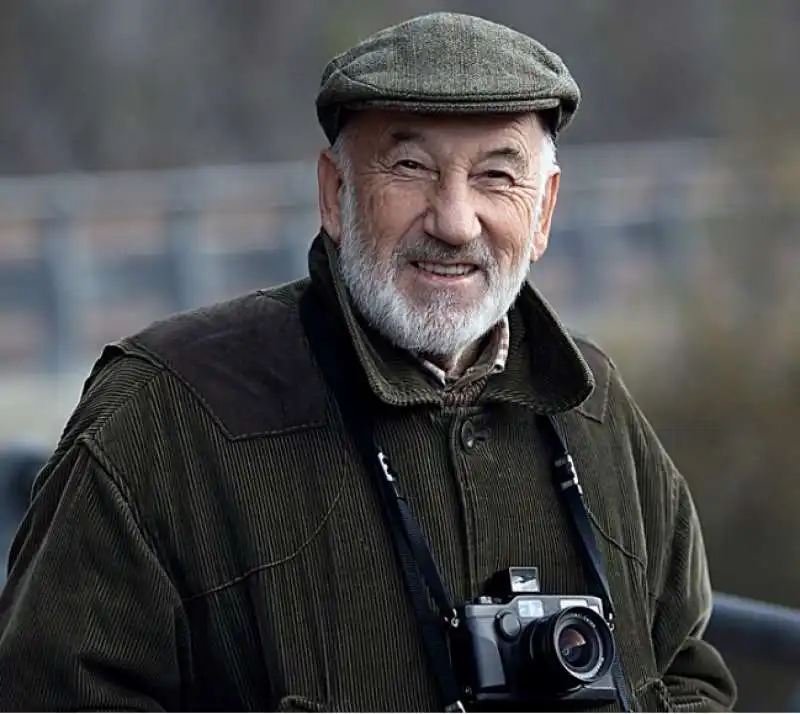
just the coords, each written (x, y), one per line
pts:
(514, 646)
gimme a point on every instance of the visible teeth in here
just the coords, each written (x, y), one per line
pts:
(440, 269)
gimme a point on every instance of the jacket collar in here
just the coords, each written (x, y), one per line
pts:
(544, 371)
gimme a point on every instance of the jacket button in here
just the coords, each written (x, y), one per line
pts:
(468, 440)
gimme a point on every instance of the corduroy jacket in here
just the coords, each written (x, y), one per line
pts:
(204, 536)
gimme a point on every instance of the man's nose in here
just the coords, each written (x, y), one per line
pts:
(451, 217)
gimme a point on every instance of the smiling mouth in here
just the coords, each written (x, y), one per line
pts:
(448, 270)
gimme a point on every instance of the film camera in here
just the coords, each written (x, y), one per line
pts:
(516, 646)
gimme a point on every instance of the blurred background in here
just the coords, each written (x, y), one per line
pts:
(157, 156)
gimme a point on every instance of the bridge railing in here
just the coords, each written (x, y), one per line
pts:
(754, 634)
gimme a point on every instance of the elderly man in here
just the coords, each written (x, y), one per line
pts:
(352, 492)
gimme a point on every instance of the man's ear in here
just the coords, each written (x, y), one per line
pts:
(542, 230)
(329, 182)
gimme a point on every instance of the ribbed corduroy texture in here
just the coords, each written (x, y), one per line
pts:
(204, 538)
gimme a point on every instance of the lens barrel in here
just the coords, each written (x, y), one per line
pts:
(571, 648)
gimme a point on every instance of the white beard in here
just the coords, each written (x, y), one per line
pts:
(442, 327)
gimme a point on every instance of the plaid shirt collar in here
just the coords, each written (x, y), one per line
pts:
(492, 360)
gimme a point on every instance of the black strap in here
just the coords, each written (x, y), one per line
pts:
(351, 394)
(419, 567)
(567, 484)
(412, 532)
(417, 564)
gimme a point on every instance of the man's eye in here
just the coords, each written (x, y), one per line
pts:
(494, 175)
(409, 164)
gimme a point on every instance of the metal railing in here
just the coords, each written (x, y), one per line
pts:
(82, 256)
(749, 632)
(763, 630)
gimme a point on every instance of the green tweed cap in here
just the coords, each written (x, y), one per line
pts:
(447, 63)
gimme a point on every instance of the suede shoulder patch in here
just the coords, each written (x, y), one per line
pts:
(247, 361)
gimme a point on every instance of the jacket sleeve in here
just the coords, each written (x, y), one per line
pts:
(89, 620)
(694, 673)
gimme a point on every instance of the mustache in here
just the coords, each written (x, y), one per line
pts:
(433, 250)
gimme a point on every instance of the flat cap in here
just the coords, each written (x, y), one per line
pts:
(447, 63)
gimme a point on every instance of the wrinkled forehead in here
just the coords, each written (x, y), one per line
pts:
(376, 132)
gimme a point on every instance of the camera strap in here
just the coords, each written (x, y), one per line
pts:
(337, 364)
(567, 484)
(338, 361)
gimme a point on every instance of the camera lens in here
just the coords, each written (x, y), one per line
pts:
(578, 647)
(571, 648)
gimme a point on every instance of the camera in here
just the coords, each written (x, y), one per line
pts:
(515, 646)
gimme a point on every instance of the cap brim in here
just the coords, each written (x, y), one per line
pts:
(333, 118)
